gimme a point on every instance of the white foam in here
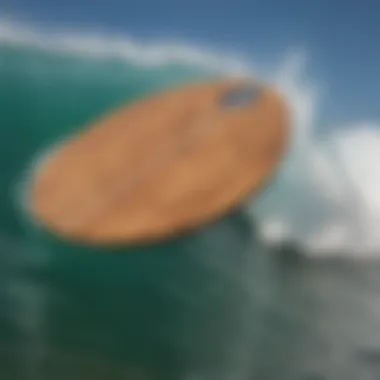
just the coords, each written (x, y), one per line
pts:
(106, 46)
(327, 198)
(327, 195)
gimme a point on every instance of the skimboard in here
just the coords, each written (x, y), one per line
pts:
(162, 165)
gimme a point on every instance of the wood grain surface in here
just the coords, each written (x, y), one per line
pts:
(162, 165)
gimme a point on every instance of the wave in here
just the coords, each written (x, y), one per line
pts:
(108, 47)
(325, 198)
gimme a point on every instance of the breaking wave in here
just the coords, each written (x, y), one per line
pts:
(326, 197)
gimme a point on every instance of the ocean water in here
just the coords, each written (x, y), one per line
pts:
(287, 287)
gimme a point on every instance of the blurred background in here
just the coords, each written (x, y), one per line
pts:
(285, 288)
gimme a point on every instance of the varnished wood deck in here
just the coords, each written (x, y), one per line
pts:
(161, 166)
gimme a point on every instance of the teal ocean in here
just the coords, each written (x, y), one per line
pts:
(285, 288)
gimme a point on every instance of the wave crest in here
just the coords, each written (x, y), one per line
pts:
(326, 196)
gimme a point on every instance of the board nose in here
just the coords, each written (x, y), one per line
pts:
(241, 96)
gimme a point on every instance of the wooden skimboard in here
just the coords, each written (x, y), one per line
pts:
(163, 165)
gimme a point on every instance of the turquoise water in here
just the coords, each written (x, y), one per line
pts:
(45, 96)
(217, 304)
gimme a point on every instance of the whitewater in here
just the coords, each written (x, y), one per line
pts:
(325, 198)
